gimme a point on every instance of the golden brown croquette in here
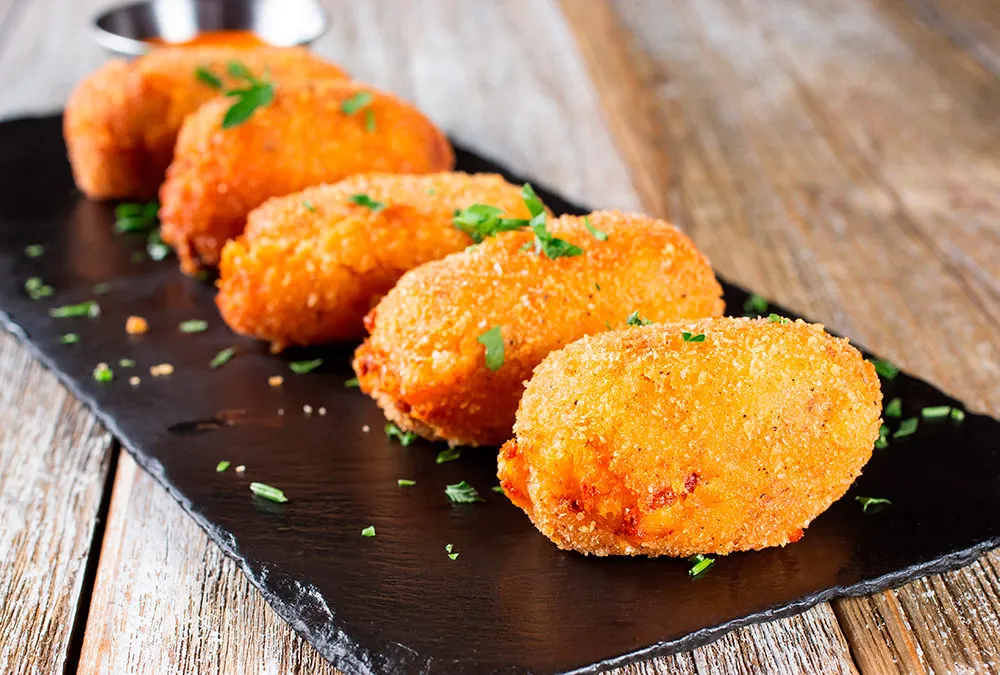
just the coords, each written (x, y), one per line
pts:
(639, 442)
(424, 361)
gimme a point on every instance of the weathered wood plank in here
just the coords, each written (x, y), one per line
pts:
(53, 469)
(842, 157)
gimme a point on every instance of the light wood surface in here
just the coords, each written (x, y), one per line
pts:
(839, 156)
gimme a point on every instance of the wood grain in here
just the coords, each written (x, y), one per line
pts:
(53, 465)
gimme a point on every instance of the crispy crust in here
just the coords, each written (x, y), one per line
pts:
(122, 121)
(310, 265)
(639, 443)
(302, 138)
(424, 365)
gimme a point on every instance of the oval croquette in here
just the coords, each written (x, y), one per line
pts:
(424, 361)
(310, 265)
(639, 442)
(121, 122)
(320, 132)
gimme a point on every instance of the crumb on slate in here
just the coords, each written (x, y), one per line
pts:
(136, 325)
(275, 380)
(161, 369)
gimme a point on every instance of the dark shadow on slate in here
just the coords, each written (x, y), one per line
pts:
(512, 602)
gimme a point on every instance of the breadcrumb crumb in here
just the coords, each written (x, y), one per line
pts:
(275, 380)
(136, 325)
(161, 369)
(134, 380)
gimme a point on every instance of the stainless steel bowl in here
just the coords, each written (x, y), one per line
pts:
(283, 23)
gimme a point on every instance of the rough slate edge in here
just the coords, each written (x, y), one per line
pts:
(338, 647)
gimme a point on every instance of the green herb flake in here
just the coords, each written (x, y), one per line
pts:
(883, 437)
(303, 367)
(353, 382)
(370, 121)
(308, 205)
(885, 368)
(497, 489)
(935, 412)
(222, 358)
(871, 501)
(193, 326)
(405, 438)
(774, 318)
(366, 201)
(607, 324)
(450, 550)
(368, 531)
(545, 242)
(356, 102)
(597, 234)
(37, 289)
(135, 217)
(906, 428)
(102, 288)
(155, 246)
(635, 320)
(34, 250)
(257, 94)
(222, 466)
(102, 373)
(405, 482)
(265, 491)
(85, 308)
(597, 286)
(755, 305)
(957, 415)
(688, 337)
(448, 455)
(701, 563)
(69, 338)
(894, 408)
(462, 493)
(126, 363)
(480, 221)
(492, 340)
(207, 77)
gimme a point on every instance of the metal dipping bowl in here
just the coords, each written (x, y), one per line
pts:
(283, 23)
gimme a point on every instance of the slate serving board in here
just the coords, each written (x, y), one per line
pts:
(511, 602)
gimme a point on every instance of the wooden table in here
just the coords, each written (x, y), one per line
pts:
(840, 156)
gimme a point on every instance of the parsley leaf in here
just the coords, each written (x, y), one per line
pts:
(497, 489)
(883, 437)
(450, 550)
(207, 77)
(482, 220)
(308, 205)
(222, 466)
(635, 320)
(545, 241)
(935, 412)
(86, 308)
(405, 482)
(133, 217)
(907, 427)
(870, 501)
(774, 318)
(884, 368)
(303, 367)
(688, 337)
(598, 235)
(404, 437)
(353, 382)
(370, 121)
(193, 326)
(222, 358)
(365, 200)
(894, 408)
(69, 339)
(493, 341)
(755, 305)
(102, 373)
(267, 492)
(462, 493)
(957, 414)
(368, 531)
(34, 250)
(257, 95)
(701, 563)
(356, 102)
(448, 455)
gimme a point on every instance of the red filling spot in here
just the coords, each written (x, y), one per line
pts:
(690, 482)
(795, 536)
(664, 497)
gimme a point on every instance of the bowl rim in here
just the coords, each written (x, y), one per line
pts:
(130, 46)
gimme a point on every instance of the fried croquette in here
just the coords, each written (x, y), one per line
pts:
(320, 132)
(427, 361)
(647, 442)
(121, 123)
(310, 265)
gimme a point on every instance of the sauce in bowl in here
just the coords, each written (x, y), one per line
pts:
(215, 38)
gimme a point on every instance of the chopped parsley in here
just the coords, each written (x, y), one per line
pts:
(353, 382)
(497, 489)
(448, 455)
(69, 339)
(155, 247)
(906, 428)
(894, 408)
(883, 437)
(701, 563)
(133, 217)
(688, 337)
(493, 341)
(193, 326)
(405, 438)
(368, 531)
(370, 121)
(308, 205)
(126, 363)
(366, 201)
(355, 103)
(37, 289)
(482, 220)
(774, 318)
(884, 368)
(450, 550)
(935, 412)
(222, 466)
(34, 250)
(871, 501)
(303, 367)
(635, 320)
(462, 493)
(597, 234)
(405, 482)
(222, 358)
(545, 241)
(755, 305)
(207, 77)
(250, 95)
(102, 288)
(597, 286)
(102, 373)
(85, 308)
(265, 491)
(957, 414)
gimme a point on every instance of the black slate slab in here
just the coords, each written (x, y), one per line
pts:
(511, 602)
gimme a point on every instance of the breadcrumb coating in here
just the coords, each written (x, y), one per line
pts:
(637, 442)
(302, 138)
(425, 367)
(121, 122)
(310, 265)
